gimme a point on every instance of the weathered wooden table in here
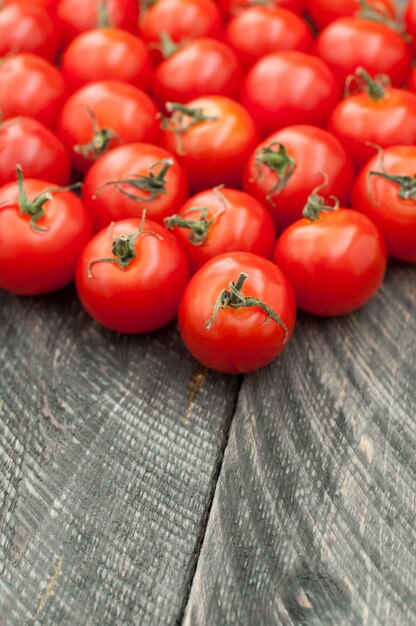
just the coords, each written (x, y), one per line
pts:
(139, 488)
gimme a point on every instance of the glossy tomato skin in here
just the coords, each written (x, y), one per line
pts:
(214, 152)
(323, 12)
(108, 204)
(146, 294)
(261, 30)
(76, 16)
(239, 341)
(120, 107)
(334, 264)
(179, 78)
(35, 148)
(32, 87)
(231, 8)
(310, 91)
(359, 119)
(350, 42)
(106, 54)
(379, 199)
(240, 224)
(33, 262)
(314, 151)
(27, 28)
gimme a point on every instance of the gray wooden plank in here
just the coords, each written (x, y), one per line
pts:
(313, 519)
(109, 447)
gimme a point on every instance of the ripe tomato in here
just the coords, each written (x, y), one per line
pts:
(213, 137)
(39, 152)
(335, 259)
(131, 178)
(385, 191)
(222, 220)
(309, 95)
(77, 16)
(350, 42)
(106, 54)
(260, 30)
(379, 115)
(27, 28)
(131, 276)
(286, 167)
(31, 86)
(101, 115)
(180, 19)
(179, 77)
(231, 8)
(323, 12)
(237, 313)
(42, 233)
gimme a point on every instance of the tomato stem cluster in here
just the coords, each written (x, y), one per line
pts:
(316, 203)
(177, 122)
(375, 87)
(280, 162)
(103, 19)
(154, 183)
(100, 142)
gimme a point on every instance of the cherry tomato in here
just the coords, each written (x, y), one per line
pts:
(42, 233)
(101, 115)
(335, 259)
(385, 191)
(31, 86)
(131, 276)
(106, 54)
(323, 12)
(222, 220)
(200, 67)
(286, 167)
(309, 95)
(230, 8)
(181, 19)
(261, 30)
(77, 16)
(131, 178)
(213, 138)
(237, 313)
(379, 115)
(350, 42)
(27, 28)
(41, 155)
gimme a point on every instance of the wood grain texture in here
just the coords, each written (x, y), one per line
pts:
(313, 519)
(109, 452)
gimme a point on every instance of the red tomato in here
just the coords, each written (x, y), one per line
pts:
(31, 86)
(106, 54)
(131, 178)
(261, 30)
(323, 12)
(101, 115)
(213, 137)
(222, 220)
(411, 83)
(350, 42)
(42, 233)
(181, 19)
(39, 152)
(380, 115)
(234, 7)
(285, 169)
(77, 16)
(250, 327)
(49, 5)
(131, 276)
(385, 191)
(335, 259)
(309, 95)
(179, 77)
(27, 28)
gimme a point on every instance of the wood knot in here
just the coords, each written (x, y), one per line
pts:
(316, 598)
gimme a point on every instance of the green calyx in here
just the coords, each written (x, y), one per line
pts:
(406, 184)
(123, 248)
(235, 299)
(377, 13)
(375, 87)
(154, 184)
(35, 207)
(103, 19)
(167, 46)
(280, 162)
(100, 142)
(182, 119)
(316, 203)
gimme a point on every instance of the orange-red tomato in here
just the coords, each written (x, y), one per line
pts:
(27, 28)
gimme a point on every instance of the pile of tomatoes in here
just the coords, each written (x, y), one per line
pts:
(224, 162)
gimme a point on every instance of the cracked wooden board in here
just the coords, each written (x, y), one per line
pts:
(109, 453)
(313, 519)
